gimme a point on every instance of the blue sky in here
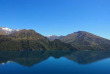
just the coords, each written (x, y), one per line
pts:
(57, 17)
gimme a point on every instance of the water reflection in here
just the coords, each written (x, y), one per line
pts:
(29, 58)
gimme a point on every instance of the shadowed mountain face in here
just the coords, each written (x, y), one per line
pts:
(84, 40)
(2, 32)
(30, 40)
(29, 58)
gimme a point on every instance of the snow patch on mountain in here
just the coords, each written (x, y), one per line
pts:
(8, 30)
(53, 37)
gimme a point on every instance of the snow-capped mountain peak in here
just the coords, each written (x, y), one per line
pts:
(8, 30)
(53, 37)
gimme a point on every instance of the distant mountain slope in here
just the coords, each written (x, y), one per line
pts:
(53, 37)
(8, 30)
(30, 40)
(57, 44)
(85, 40)
(2, 32)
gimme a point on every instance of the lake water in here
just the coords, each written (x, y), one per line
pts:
(55, 62)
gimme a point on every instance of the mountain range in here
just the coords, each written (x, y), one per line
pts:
(31, 40)
(84, 41)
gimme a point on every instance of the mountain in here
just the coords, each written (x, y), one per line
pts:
(57, 44)
(30, 40)
(2, 32)
(27, 34)
(53, 37)
(84, 40)
(8, 30)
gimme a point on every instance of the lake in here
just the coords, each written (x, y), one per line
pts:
(55, 62)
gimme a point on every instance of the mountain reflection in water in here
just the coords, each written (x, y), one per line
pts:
(29, 58)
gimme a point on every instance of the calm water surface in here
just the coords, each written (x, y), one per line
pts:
(55, 62)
